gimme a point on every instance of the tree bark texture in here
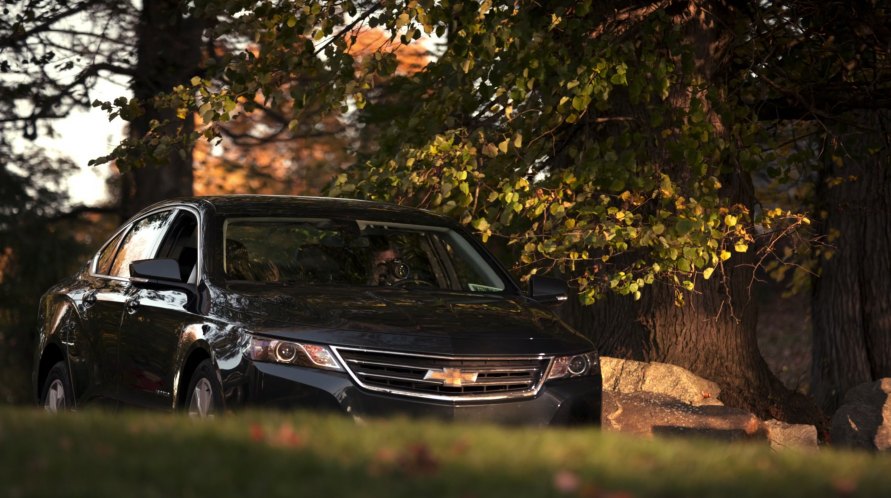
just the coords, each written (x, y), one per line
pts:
(169, 54)
(851, 302)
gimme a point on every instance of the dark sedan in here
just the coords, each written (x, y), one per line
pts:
(370, 309)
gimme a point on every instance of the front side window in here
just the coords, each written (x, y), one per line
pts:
(140, 242)
(181, 245)
(354, 253)
(103, 264)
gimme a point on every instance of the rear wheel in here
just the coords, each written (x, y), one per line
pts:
(57, 394)
(204, 397)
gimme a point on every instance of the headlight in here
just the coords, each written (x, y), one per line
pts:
(292, 353)
(579, 365)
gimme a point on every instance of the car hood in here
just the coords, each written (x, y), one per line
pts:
(432, 322)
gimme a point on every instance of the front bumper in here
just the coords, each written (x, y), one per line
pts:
(559, 402)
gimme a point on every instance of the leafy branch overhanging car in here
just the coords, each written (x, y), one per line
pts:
(211, 303)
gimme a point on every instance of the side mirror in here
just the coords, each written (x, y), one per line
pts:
(548, 290)
(163, 274)
(161, 270)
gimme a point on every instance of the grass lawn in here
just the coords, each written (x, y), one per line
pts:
(95, 454)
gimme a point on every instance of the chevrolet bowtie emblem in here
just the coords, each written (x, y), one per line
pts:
(452, 377)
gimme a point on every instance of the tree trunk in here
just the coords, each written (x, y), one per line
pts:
(169, 54)
(712, 334)
(851, 303)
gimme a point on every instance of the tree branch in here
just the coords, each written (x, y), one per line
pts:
(17, 37)
(349, 27)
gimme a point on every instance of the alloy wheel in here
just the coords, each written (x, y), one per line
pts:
(201, 403)
(55, 397)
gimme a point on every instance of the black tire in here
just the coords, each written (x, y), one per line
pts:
(204, 386)
(56, 393)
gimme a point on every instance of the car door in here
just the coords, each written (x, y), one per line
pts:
(92, 347)
(154, 321)
(110, 293)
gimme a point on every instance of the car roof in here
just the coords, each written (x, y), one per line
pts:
(299, 206)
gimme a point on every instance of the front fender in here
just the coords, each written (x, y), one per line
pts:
(59, 321)
(223, 344)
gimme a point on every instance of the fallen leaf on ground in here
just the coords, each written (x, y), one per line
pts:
(566, 481)
(418, 459)
(287, 437)
(384, 461)
(257, 433)
(844, 486)
(460, 447)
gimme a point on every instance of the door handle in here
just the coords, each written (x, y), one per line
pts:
(88, 300)
(132, 306)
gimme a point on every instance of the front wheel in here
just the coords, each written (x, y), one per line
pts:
(205, 395)
(57, 394)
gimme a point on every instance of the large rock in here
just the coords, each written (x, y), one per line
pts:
(629, 376)
(864, 419)
(796, 436)
(657, 414)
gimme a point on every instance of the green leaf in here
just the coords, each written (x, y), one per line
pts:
(685, 226)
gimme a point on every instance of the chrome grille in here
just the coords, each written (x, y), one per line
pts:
(444, 378)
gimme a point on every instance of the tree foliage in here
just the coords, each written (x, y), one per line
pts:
(582, 133)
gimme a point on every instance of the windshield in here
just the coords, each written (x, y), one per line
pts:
(354, 253)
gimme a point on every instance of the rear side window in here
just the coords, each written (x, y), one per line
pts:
(140, 242)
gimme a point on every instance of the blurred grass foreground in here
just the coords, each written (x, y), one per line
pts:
(100, 454)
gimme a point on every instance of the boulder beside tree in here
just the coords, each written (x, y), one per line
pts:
(864, 419)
